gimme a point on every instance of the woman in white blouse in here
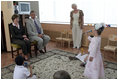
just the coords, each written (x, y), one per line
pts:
(76, 23)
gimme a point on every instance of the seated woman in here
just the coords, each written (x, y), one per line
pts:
(19, 36)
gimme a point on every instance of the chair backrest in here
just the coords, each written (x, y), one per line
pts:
(9, 25)
(66, 33)
(69, 33)
(112, 38)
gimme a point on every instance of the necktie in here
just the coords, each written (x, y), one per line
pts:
(37, 27)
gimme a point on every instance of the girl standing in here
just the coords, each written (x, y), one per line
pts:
(94, 68)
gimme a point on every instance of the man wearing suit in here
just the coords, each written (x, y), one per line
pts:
(35, 32)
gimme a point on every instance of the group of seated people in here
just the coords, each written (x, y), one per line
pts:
(35, 33)
(20, 37)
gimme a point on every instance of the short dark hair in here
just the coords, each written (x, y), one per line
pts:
(99, 31)
(14, 17)
(32, 11)
(61, 75)
(19, 60)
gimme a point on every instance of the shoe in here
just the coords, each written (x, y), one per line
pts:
(82, 64)
(73, 58)
(41, 51)
(74, 47)
(78, 47)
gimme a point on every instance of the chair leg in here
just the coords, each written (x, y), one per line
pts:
(35, 48)
(56, 43)
(45, 49)
(103, 55)
(114, 53)
(68, 44)
(12, 52)
(62, 44)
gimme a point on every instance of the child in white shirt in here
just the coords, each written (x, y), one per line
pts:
(20, 71)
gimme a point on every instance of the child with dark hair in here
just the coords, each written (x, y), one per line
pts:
(20, 71)
(61, 75)
(94, 68)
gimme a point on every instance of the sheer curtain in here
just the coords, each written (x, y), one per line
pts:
(95, 11)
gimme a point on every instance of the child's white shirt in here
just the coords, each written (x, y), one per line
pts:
(21, 72)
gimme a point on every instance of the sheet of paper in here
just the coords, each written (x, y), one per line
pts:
(81, 57)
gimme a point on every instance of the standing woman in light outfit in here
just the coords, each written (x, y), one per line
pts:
(76, 23)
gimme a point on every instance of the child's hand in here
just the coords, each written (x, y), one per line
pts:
(30, 66)
(91, 59)
(86, 59)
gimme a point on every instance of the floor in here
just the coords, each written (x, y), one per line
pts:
(6, 58)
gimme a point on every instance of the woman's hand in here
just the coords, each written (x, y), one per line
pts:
(24, 36)
(81, 27)
(91, 59)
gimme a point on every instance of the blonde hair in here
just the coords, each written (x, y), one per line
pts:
(74, 4)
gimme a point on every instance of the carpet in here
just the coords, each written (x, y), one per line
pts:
(45, 65)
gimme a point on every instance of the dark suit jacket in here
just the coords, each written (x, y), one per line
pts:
(17, 33)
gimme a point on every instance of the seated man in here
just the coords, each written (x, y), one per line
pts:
(35, 32)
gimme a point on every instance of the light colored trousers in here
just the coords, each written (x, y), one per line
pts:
(77, 36)
(41, 41)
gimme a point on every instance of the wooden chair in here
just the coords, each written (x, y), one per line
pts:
(18, 47)
(67, 38)
(60, 38)
(108, 47)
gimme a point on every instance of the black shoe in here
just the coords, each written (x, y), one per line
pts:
(82, 64)
(73, 58)
(41, 51)
(45, 49)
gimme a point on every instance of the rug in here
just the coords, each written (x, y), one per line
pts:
(45, 65)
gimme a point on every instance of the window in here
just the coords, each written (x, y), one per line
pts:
(95, 11)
